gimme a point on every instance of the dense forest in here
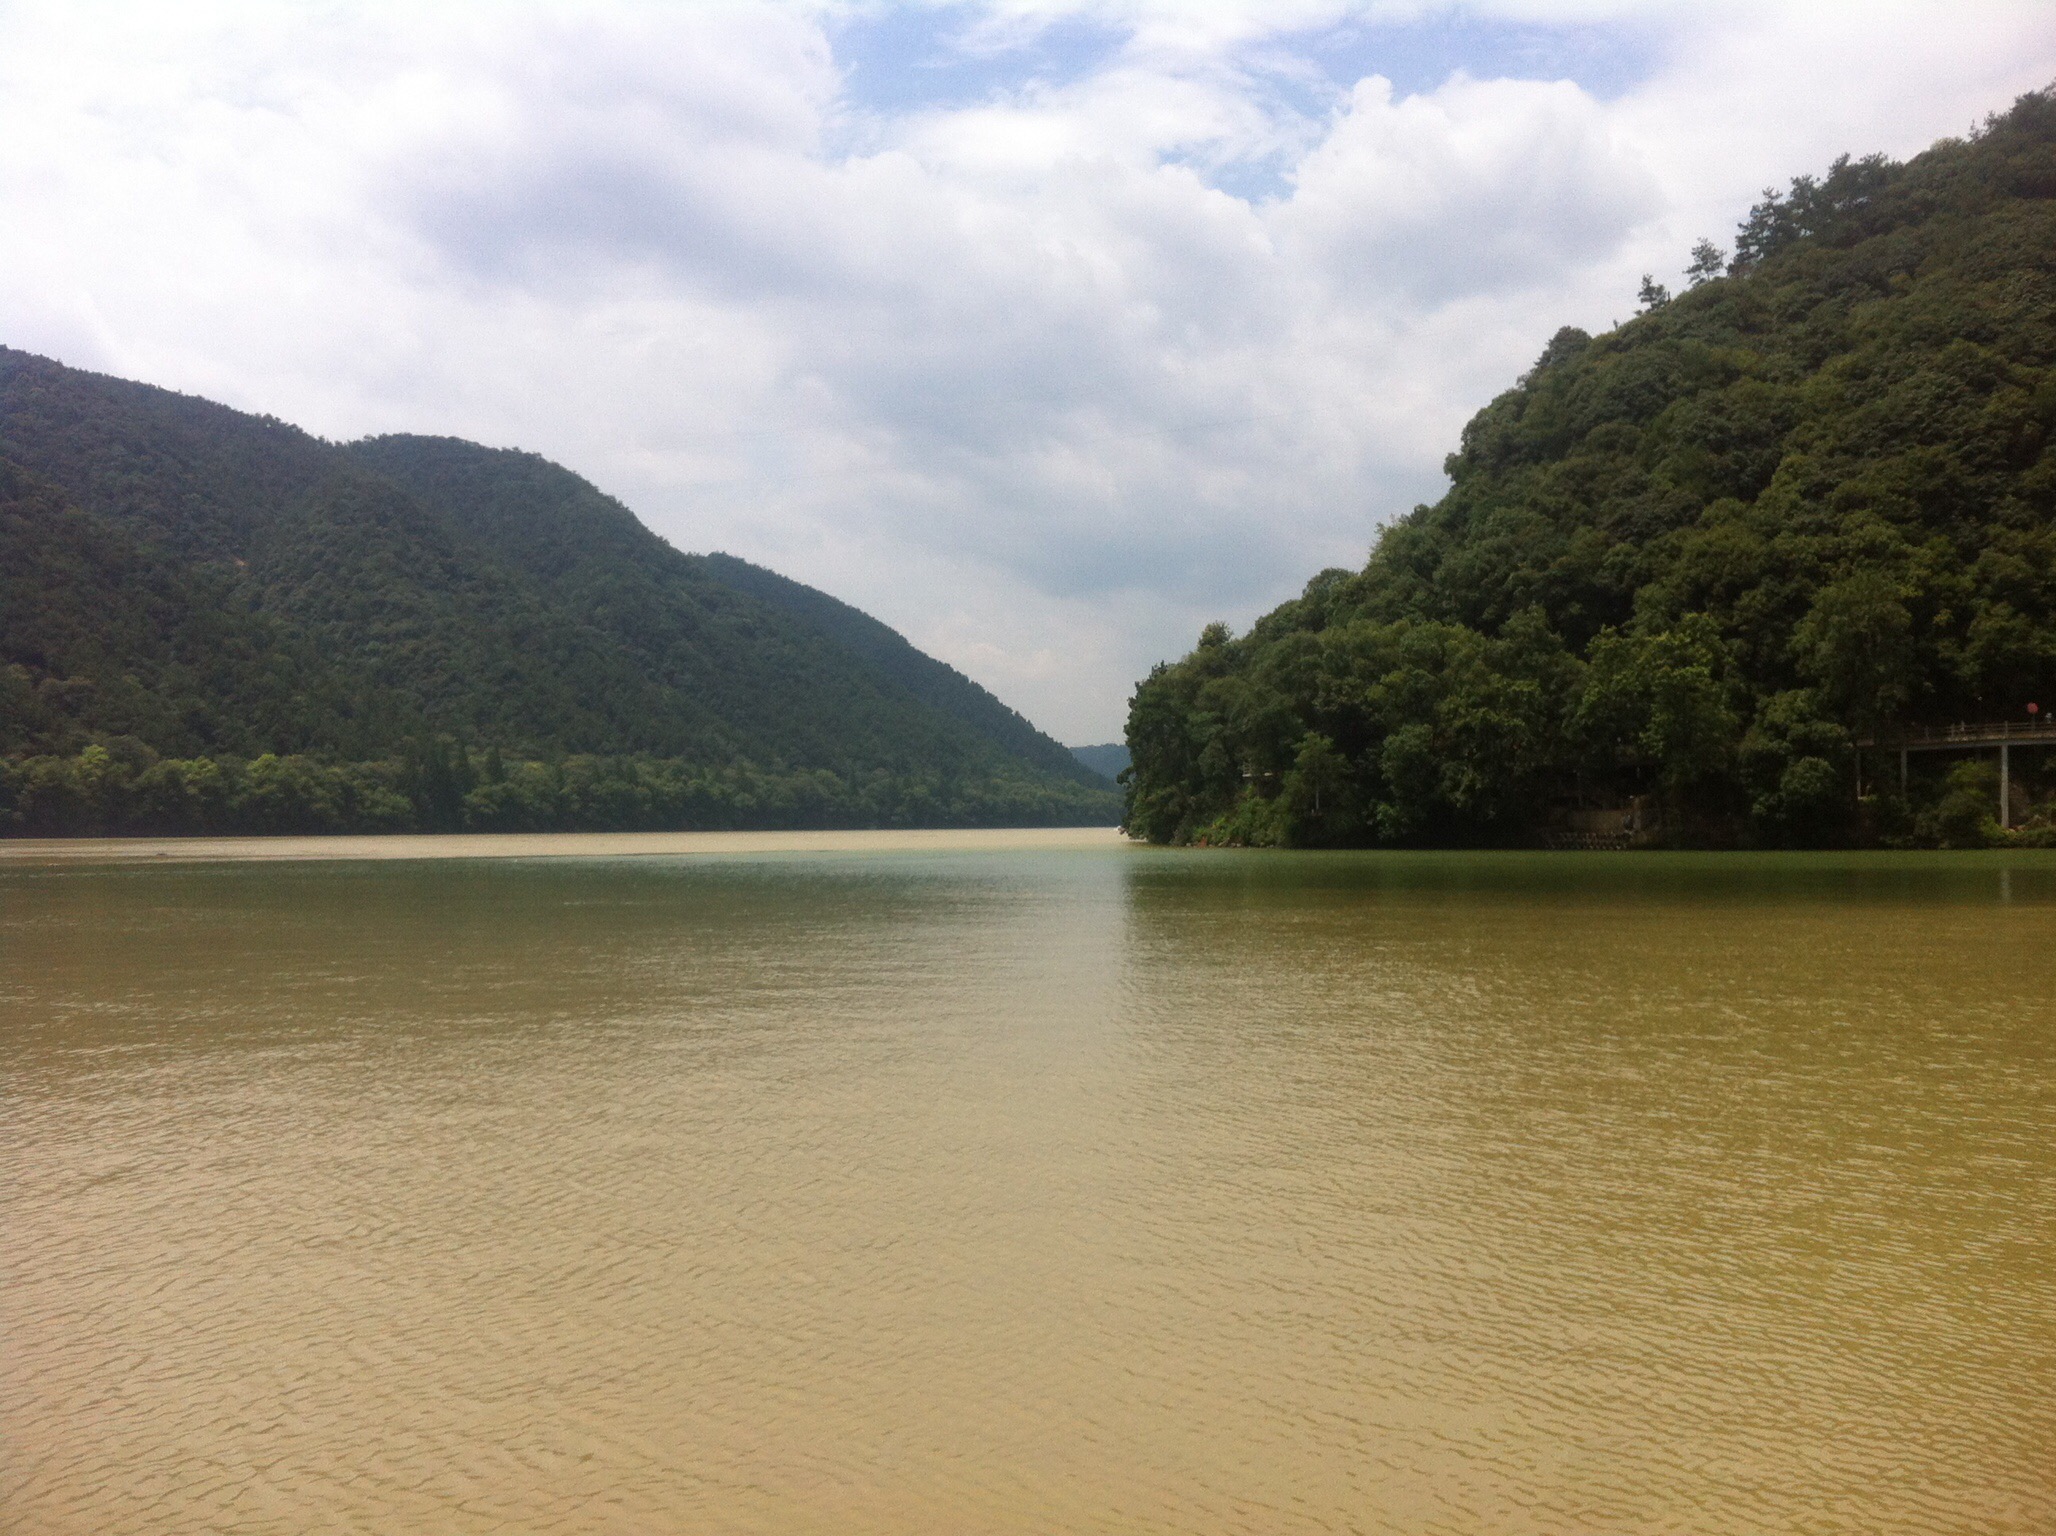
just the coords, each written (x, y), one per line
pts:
(1686, 568)
(211, 621)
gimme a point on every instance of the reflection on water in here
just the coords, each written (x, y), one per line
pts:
(1031, 1188)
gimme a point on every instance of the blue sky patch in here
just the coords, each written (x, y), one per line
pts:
(902, 59)
(934, 58)
(925, 58)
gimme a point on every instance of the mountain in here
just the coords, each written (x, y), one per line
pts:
(1109, 760)
(1685, 568)
(420, 631)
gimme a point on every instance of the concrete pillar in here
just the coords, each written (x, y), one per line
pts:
(2005, 783)
(1903, 754)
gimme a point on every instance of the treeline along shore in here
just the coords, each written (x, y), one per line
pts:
(446, 788)
(1687, 569)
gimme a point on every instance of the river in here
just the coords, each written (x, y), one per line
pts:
(966, 1183)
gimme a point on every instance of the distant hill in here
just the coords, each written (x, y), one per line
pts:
(421, 631)
(1689, 564)
(1107, 760)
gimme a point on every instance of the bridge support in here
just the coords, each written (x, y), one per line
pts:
(2004, 735)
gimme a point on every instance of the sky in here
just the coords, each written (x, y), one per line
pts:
(1047, 331)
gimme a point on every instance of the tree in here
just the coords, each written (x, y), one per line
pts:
(1708, 261)
(1797, 765)
(1856, 642)
(1655, 703)
(1315, 789)
(1652, 295)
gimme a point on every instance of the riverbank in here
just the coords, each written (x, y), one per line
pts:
(541, 845)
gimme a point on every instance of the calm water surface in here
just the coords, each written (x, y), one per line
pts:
(1035, 1185)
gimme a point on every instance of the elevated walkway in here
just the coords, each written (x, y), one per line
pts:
(2003, 735)
(1957, 738)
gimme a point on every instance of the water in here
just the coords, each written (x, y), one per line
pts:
(1028, 1184)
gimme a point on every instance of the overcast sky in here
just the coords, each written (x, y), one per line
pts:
(1046, 331)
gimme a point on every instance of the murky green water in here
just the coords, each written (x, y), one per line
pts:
(1058, 1186)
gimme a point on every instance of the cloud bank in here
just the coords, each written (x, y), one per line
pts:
(1044, 331)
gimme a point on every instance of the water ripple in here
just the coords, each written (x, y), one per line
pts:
(1026, 1190)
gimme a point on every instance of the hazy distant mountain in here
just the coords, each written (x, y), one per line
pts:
(179, 580)
(1106, 760)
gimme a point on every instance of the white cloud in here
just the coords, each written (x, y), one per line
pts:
(1486, 186)
(1024, 376)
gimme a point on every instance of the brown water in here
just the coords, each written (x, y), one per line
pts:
(1056, 1186)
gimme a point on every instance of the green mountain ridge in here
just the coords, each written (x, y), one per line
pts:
(1684, 568)
(433, 633)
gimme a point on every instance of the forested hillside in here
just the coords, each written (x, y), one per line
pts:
(1686, 566)
(210, 620)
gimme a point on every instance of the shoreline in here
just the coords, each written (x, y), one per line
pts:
(388, 846)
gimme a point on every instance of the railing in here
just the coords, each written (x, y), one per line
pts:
(1989, 735)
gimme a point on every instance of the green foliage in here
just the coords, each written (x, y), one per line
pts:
(1964, 816)
(1857, 643)
(1797, 767)
(1829, 208)
(291, 635)
(101, 637)
(1695, 558)
(1653, 708)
